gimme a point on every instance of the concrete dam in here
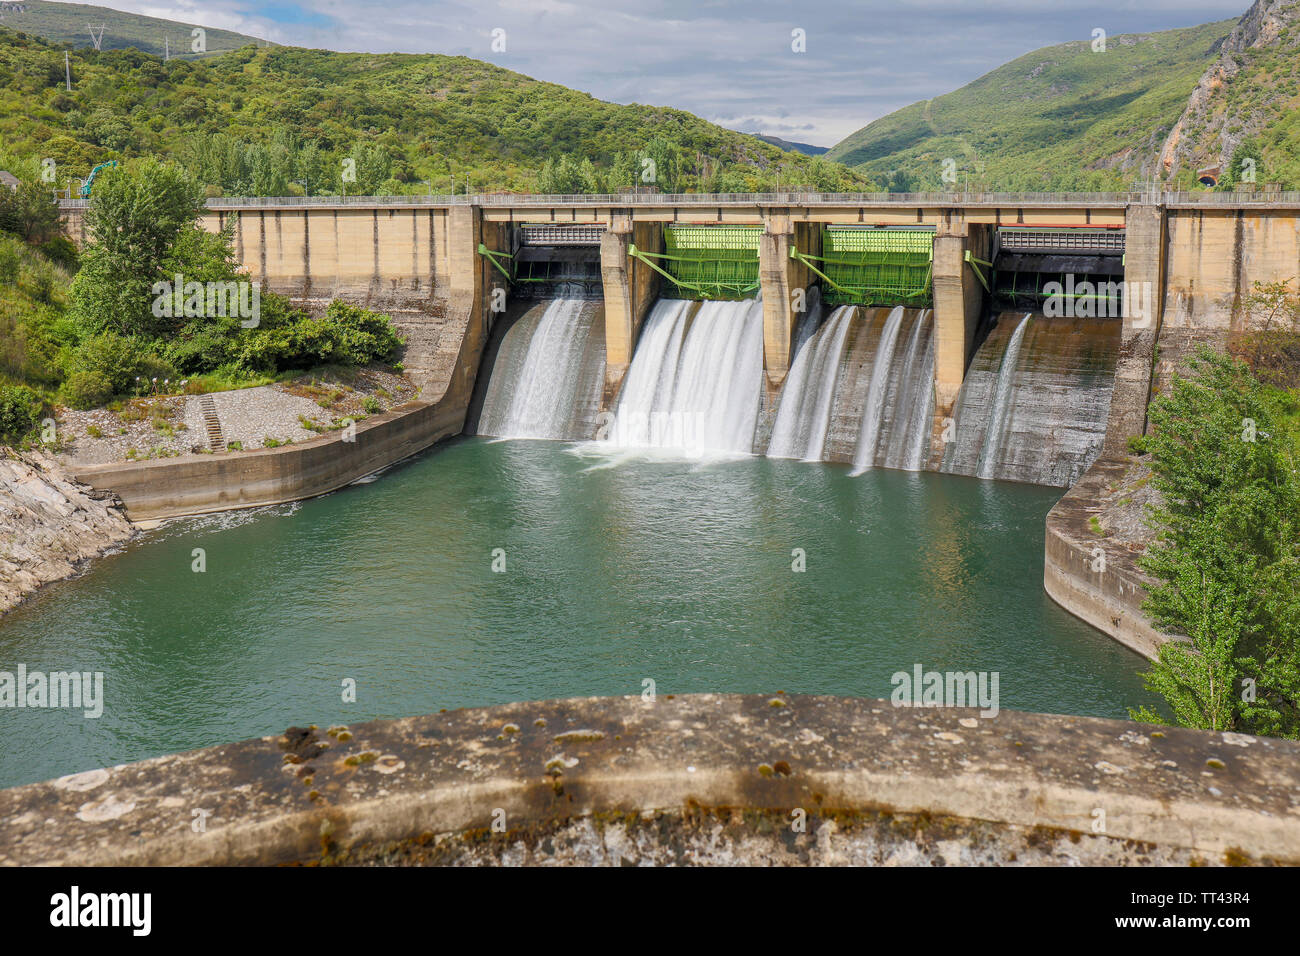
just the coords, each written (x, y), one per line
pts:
(911, 288)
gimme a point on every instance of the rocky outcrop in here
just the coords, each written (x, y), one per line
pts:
(49, 525)
(1212, 127)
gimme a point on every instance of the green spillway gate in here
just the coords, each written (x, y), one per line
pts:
(710, 262)
(876, 266)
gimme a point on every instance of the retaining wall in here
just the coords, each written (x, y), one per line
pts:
(713, 779)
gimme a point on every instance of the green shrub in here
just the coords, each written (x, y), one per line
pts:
(86, 389)
(1138, 445)
(372, 406)
(62, 251)
(42, 286)
(120, 360)
(345, 335)
(11, 257)
(21, 410)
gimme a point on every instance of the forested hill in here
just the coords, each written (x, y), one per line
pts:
(1061, 118)
(254, 120)
(81, 24)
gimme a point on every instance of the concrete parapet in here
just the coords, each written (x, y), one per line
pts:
(698, 779)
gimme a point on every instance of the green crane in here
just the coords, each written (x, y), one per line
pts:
(90, 180)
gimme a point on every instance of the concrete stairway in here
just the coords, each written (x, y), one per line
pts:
(212, 424)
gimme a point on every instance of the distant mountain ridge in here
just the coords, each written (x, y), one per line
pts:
(266, 120)
(1064, 117)
(805, 148)
(80, 24)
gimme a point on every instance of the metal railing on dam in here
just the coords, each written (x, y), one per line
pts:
(659, 200)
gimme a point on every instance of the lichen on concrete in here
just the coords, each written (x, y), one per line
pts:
(679, 780)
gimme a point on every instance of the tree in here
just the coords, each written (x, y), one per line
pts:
(136, 216)
(1226, 559)
(664, 166)
(373, 165)
(1272, 301)
(563, 176)
(29, 211)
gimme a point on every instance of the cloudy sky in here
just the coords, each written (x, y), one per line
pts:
(729, 61)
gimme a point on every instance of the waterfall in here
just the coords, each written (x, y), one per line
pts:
(865, 458)
(696, 379)
(861, 390)
(805, 409)
(1035, 401)
(809, 322)
(1001, 398)
(919, 452)
(546, 372)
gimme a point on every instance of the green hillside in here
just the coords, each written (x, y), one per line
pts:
(1060, 118)
(1244, 117)
(73, 22)
(255, 120)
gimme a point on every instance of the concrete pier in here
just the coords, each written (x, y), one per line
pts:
(784, 282)
(959, 298)
(630, 288)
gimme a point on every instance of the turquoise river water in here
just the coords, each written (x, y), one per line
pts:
(614, 572)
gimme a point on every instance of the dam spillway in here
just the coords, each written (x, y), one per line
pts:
(1035, 402)
(545, 380)
(696, 379)
(1032, 408)
(860, 391)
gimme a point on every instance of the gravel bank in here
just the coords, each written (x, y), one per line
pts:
(266, 416)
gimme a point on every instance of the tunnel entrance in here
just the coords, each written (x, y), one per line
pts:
(1062, 271)
(557, 261)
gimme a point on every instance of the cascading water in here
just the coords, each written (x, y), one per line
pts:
(856, 383)
(871, 413)
(805, 410)
(1035, 401)
(696, 379)
(1001, 398)
(909, 412)
(550, 367)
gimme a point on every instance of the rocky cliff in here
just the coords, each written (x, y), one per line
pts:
(49, 525)
(1252, 86)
